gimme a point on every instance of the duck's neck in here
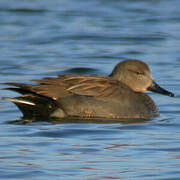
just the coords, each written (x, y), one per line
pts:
(117, 76)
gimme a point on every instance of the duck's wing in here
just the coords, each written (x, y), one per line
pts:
(65, 85)
(96, 86)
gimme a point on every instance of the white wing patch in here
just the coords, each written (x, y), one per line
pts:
(14, 100)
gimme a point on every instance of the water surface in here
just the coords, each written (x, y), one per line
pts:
(46, 38)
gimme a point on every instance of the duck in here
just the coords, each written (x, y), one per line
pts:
(120, 95)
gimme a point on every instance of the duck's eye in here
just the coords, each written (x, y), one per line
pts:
(137, 72)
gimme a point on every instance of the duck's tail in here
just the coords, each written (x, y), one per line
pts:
(32, 105)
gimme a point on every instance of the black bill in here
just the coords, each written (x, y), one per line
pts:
(156, 88)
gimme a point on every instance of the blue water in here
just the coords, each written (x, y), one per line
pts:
(46, 38)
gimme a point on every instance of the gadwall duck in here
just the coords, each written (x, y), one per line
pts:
(119, 95)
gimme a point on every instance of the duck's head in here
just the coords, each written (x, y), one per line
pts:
(137, 76)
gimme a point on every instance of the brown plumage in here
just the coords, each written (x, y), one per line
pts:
(88, 96)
